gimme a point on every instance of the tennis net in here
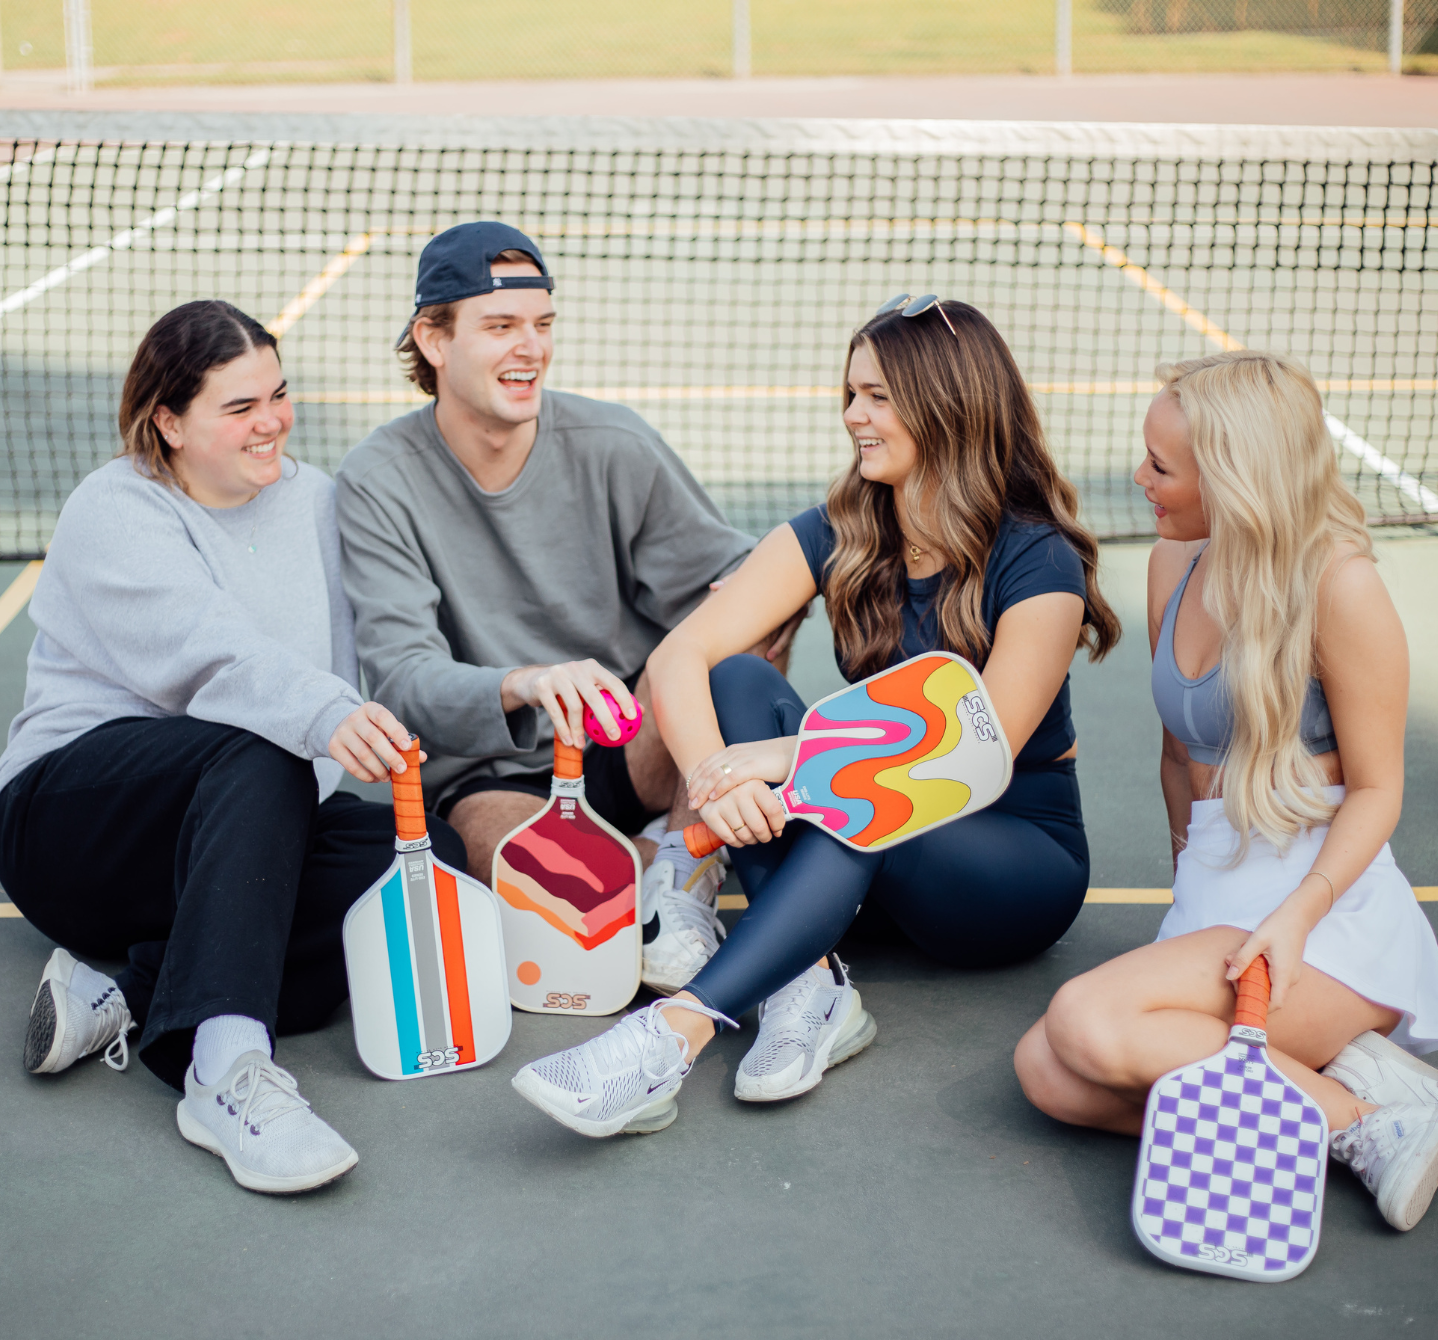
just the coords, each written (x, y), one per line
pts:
(709, 274)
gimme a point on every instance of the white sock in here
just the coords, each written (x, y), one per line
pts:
(86, 982)
(672, 848)
(221, 1041)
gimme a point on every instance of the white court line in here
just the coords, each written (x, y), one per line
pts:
(1342, 433)
(126, 239)
(14, 169)
(1380, 464)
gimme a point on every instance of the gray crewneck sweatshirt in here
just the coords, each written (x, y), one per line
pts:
(151, 605)
(601, 546)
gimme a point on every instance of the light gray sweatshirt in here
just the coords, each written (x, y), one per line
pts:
(151, 605)
(601, 546)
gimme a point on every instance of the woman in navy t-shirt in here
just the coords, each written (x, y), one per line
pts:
(951, 529)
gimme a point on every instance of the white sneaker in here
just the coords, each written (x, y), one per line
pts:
(815, 1022)
(255, 1120)
(1378, 1071)
(684, 923)
(66, 1023)
(1395, 1152)
(626, 1080)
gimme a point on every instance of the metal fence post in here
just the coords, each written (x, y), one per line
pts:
(403, 51)
(1064, 36)
(743, 43)
(1395, 36)
(79, 50)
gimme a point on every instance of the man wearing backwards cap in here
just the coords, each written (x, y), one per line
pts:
(509, 549)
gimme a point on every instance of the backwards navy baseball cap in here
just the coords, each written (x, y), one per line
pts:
(455, 265)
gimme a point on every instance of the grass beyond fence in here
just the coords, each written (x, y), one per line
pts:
(273, 41)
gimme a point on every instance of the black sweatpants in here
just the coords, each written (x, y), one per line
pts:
(201, 854)
(989, 889)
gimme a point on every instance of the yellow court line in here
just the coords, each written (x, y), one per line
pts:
(18, 593)
(386, 396)
(320, 284)
(1137, 275)
(737, 902)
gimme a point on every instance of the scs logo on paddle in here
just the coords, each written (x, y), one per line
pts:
(979, 717)
(563, 1000)
(437, 1060)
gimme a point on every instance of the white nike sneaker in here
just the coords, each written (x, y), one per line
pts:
(76, 1011)
(813, 1023)
(1378, 1071)
(1394, 1151)
(682, 929)
(625, 1081)
(255, 1120)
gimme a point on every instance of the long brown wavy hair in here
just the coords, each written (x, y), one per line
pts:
(981, 453)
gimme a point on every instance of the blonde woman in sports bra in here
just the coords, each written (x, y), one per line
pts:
(1281, 674)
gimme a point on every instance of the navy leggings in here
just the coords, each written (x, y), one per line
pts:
(994, 888)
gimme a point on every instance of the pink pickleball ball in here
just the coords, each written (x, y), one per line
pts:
(628, 728)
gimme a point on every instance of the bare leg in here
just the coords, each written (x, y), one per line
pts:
(1111, 1032)
(484, 819)
(656, 780)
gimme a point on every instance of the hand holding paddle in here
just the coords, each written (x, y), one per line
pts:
(364, 743)
(888, 758)
(1233, 1158)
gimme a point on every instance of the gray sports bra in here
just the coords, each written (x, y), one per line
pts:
(1197, 712)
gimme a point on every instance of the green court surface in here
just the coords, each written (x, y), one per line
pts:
(915, 1193)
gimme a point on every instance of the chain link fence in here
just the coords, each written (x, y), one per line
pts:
(106, 42)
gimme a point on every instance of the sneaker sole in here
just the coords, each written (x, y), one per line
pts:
(858, 1031)
(202, 1136)
(45, 1032)
(1406, 1215)
(647, 1121)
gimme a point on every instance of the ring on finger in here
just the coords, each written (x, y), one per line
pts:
(725, 769)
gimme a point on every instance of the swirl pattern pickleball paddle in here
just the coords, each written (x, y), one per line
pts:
(424, 951)
(888, 758)
(1234, 1156)
(567, 884)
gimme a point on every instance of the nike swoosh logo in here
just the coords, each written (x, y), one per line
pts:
(830, 1010)
(653, 1087)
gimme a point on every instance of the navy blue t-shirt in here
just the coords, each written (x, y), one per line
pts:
(1028, 559)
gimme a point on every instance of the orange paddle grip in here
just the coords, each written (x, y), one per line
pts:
(701, 840)
(1253, 989)
(408, 796)
(568, 761)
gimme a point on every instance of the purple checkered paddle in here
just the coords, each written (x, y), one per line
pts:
(1234, 1155)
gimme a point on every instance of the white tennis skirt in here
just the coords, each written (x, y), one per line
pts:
(1376, 940)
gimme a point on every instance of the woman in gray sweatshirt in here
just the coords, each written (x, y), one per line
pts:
(168, 795)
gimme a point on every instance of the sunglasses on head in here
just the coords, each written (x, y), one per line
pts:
(916, 307)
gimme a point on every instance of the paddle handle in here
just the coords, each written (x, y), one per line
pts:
(568, 760)
(1253, 989)
(701, 840)
(408, 795)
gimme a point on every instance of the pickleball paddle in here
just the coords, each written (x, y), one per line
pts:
(1234, 1155)
(888, 758)
(424, 952)
(567, 883)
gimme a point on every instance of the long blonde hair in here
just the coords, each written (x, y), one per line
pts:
(1277, 509)
(981, 453)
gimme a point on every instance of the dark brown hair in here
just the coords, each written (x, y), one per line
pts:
(981, 453)
(440, 315)
(169, 368)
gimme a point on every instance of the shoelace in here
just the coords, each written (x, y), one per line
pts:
(694, 914)
(612, 1048)
(264, 1092)
(786, 997)
(114, 1013)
